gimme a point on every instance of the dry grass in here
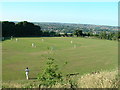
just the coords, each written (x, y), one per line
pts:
(99, 80)
(21, 84)
(103, 79)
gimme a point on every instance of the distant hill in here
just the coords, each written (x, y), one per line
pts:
(68, 27)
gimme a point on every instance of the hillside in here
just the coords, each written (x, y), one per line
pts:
(69, 27)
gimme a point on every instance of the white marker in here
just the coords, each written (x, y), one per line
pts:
(16, 39)
(71, 42)
(33, 45)
(11, 37)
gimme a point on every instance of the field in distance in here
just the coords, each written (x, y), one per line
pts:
(73, 55)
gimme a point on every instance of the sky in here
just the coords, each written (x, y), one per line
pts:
(99, 13)
(60, 0)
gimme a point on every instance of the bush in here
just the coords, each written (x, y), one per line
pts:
(50, 76)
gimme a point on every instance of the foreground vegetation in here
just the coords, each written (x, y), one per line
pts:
(105, 79)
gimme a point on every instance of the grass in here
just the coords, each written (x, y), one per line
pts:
(104, 79)
(89, 55)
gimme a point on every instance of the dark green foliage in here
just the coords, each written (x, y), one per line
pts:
(109, 36)
(25, 28)
(78, 33)
(21, 29)
(46, 33)
(52, 33)
(8, 29)
(103, 35)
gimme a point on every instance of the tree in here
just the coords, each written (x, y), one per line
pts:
(118, 34)
(51, 75)
(115, 37)
(78, 33)
(46, 33)
(26, 29)
(52, 33)
(103, 35)
(8, 29)
(21, 29)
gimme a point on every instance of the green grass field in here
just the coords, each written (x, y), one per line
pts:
(89, 55)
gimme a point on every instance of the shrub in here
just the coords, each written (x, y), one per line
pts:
(50, 76)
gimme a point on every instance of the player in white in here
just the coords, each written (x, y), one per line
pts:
(33, 44)
(27, 73)
(11, 37)
(16, 39)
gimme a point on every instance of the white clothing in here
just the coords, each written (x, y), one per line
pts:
(27, 73)
(33, 45)
(27, 70)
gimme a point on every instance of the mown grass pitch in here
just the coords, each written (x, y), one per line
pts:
(88, 55)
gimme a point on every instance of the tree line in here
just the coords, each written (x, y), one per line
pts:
(101, 35)
(21, 29)
(28, 29)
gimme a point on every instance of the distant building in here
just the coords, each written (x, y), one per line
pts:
(69, 33)
(94, 33)
(62, 33)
